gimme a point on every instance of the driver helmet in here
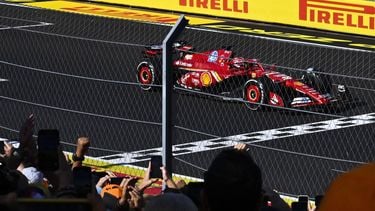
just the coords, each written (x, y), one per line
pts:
(177, 45)
(238, 62)
(310, 69)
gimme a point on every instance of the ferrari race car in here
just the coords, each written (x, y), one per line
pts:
(219, 72)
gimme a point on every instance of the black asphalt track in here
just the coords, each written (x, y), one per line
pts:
(78, 75)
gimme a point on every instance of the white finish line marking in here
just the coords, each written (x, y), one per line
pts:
(3, 80)
(249, 138)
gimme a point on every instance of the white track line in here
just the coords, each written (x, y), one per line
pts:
(16, 5)
(250, 138)
(21, 19)
(26, 26)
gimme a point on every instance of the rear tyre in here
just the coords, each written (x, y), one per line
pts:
(147, 75)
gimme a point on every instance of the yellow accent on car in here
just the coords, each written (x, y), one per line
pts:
(216, 76)
(298, 83)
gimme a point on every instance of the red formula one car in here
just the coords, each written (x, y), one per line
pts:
(218, 72)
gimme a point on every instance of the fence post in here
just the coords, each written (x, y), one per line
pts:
(167, 118)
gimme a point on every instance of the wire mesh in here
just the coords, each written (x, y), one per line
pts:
(299, 148)
(78, 74)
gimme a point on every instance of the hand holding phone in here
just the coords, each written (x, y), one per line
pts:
(299, 206)
(303, 198)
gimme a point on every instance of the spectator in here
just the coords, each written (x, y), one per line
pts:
(83, 144)
(11, 180)
(170, 202)
(232, 182)
(24, 156)
(167, 179)
(33, 175)
(354, 190)
(272, 199)
(194, 191)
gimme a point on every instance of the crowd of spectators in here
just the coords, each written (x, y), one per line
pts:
(233, 181)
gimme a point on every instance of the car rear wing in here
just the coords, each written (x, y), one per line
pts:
(153, 50)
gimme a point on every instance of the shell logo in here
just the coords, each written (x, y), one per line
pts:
(298, 83)
(206, 79)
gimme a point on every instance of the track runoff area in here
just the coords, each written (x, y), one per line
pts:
(220, 26)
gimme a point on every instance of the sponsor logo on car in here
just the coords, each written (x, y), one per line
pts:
(188, 57)
(301, 100)
(213, 56)
(185, 64)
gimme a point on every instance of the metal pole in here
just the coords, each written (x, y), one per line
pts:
(167, 120)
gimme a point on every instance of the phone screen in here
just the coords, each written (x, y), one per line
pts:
(156, 163)
(48, 143)
(303, 198)
(96, 175)
(299, 206)
(117, 180)
(82, 179)
(318, 199)
(99, 174)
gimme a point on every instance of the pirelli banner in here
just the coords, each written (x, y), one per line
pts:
(348, 16)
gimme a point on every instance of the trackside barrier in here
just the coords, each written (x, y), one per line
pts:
(167, 89)
(103, 78)
(349, 16)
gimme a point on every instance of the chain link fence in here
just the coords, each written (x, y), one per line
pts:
(83, 75)
(78, 74)
(300, 149)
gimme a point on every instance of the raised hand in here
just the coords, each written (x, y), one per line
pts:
(241, 147)
(147, 182)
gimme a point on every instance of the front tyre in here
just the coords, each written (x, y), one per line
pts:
(145, 75)
(254, 94)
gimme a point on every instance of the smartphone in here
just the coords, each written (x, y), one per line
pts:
(82, 180)
(96, 175)
(303, 198)
(48, 143)
(299, 206)
(99, 174)
(156, 163)
(117, 180)
(318, 199)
